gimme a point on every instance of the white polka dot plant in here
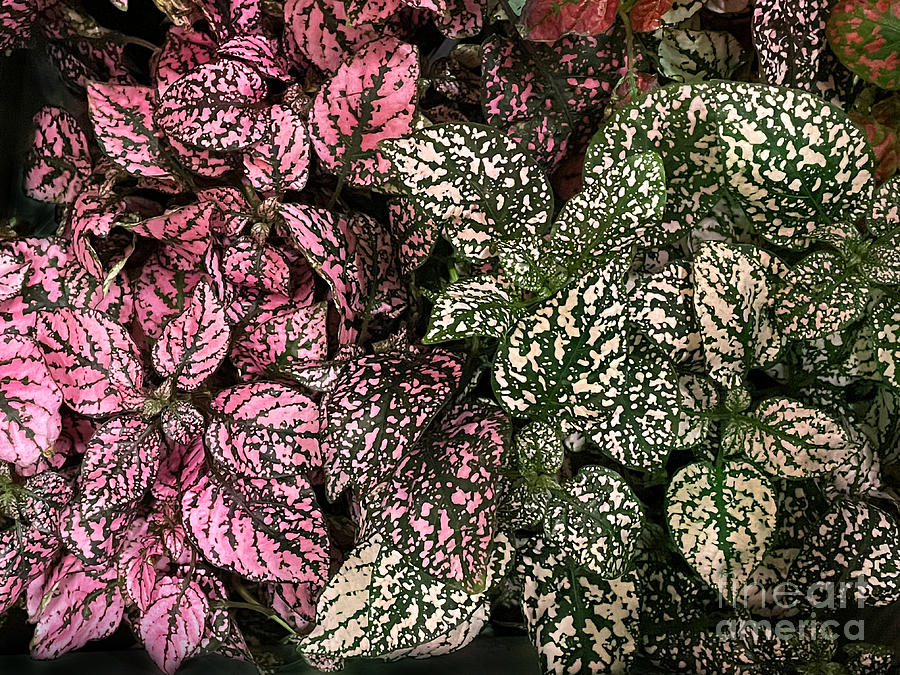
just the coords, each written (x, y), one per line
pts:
(365, 330)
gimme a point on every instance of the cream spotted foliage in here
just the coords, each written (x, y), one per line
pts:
(579, 622)
(731, 299)
(595, 520)
(722, 517)
(482, 305)
(789, 439)
(475, 180)
(886, 319)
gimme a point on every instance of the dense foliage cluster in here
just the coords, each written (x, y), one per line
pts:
(371, 326)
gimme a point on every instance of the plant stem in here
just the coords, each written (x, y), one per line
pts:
(630, 73)
(254, 605)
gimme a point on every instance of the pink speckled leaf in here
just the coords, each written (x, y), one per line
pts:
(283, 343)
(414, 233)
(182, 422)
(16, 20)
(77, 605)
(280, 161)
(378, 408)
(161, 293)
(264, 430)
(92, 359)
(215, 107)
(865, 36)
(59, 164)
(318, 31)
(30, 421)
(136, 563)
(185, 230)
(122, 116)
(183, 50)
(549, 20)
(83, 291)
(180, 469)
(459, 19)
(193, 345)
(173, 625)
(370, 98)
(43, 285)
(790, 40)
(439, 507)
(92, 216)
(259, 266)
(260, 51)
(265, 529)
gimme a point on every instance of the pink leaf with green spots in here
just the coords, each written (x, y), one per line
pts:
(193, 345)
(182, 422)
(549, 20)
(161, 293)
(283, 343)
(42, 287)
(59, 164)
(260, 266)
(264, 430)
(93, 361)
(92, 215)
(30, 421)
(215, 107)
(377, 410)
(77, 605)
(185, 230)
(14, 269)
(16, 20)
(370, 98)
(280, 161)
(865, 36)
(180, 469)
(173, 625)
(183, 51)
(439, 507)
(122, 116)
(317, 31)
(259, 51)
(265, 529)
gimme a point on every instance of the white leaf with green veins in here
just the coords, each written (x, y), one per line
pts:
(696, 55)
(789, 439)
(722, 517)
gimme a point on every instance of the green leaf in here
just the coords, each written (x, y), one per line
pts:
(821, 295)
(728, 140)
(620, 208)
(578, 621)
(380, 604)
(731, 299)
(696, 55)
(483, 305)
(885, 214)
(562, 362)
(539, 449)
(476, 181)
(789, 439)
(595, 520)
(722, 517)
(886, 338)
(865, 36)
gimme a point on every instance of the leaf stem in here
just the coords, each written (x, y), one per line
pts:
(254, 605)
(630, 74)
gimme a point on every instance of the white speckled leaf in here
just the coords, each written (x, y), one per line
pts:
(731, 298)
(562, 362)
(483, 305)
(595, 520)
(662, 306)
(789, 439)
(539, 449)
(578, 621)
(475, 180)
(722, 518)
(886, 337)
(381, 605)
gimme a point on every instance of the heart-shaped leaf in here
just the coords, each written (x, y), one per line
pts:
(173, 625)
(722, 517)
(193, 344)
(265, 529)
(371, 98)
(377, 409)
